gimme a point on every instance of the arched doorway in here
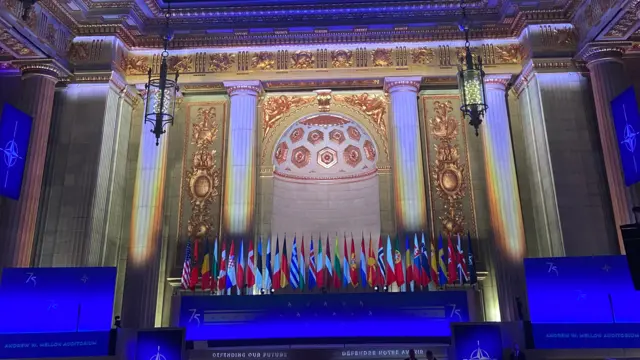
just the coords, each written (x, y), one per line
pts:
(325, 180)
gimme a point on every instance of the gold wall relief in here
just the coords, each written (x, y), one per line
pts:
(374, 107)
(134, 65)
(422, 55)
(221, 62)
(342, 58)
(381, 57)
(449, 177)
(302, 59)
(263, 60)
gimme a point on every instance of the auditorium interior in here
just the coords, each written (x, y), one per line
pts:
(145, 142)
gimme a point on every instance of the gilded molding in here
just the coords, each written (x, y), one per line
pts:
(499, 80)
(49, 68)
(595, 52)
(340, 179)
(323, 97)
(542, 65)
(374, 108)
(253, 88)
(392, 84)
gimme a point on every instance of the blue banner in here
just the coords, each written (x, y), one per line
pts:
(477, 341)
(49, 345)
(322, 315)
(160, 344)
(586, 336)
(15, 131)
(49, 300)
(625, 116)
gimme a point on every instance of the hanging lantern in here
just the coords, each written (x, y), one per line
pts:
(162, 92)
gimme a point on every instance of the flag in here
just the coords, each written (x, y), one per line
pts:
(442, 270)
(452, 268)
(186, 267)
(222, 276)
(382, 268)
(346, 264)
(424, 262)
(215, 266)
(417, 262)
(206, 268)
(408, 265)
(268, 270)
(398, 265)
(295, 268)
(372, 268)
(259, 279)
(231, 267)
(303, 265)
(195, 273)
(337, 275)
(276, 266)
(363, 264)
(353, 265)
(471, 262)
(242, 270)
(327, 263)
(320, 275)
(312, 265)
(463, 274)
(391, 277)
(251, 268)
(284, 265)
(434, 264)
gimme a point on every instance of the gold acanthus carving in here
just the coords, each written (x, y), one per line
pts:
(221, 62)
(381, 57)
(448, 173)
(342, 58)
(302, 59)
(422, 55)
(264, 60)
(203, 179)
(275, 107)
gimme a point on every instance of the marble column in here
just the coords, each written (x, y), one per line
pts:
(505, 211)
(140, 297)
(608, 80)
(18, 221)
(408, 173)
(240, 164)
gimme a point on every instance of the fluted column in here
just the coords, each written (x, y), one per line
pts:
(505, 212)
(240, 165)
(408, 173)
(608, 80)
(18, 220)
(145, 239)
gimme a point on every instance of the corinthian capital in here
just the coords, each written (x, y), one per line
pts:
(610, 51)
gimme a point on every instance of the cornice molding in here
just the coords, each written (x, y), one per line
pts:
(603, 51)
(395, 84)
(543, 66)
(48, 67)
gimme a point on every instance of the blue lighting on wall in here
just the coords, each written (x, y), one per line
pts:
(477, 341)
(15, 131)
(627, 121)
(160, 344)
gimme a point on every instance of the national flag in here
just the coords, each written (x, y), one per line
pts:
(408, 265)
(417, 262)
(312, 265)
(471, 262)
(390, 263)
(327, 263)
(186, 267)
(268, 270)
(382, 267)
(284, 265)
(295, 268)
(205, 283)
(303, 265)
(463, 274)
(434, 264)
(259, 278)
(372, 265)
(424, 262)
(363, 264)
(276, 266)
(346, 264)
(240, 275)
(337, 271)
(251, 268)
(222, 276)
(398, 264)
(452, 266)
(231, 267)
(195, 272)
(442, 270)
(320, 270)
(215, 266)
(353, 265)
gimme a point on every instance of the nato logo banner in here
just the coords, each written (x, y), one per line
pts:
(478, 341)
(15, 131)
(160, 344)
(627, 121)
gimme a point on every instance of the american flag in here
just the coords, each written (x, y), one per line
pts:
(186, 268)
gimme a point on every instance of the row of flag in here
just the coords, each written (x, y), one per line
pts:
(421, 268)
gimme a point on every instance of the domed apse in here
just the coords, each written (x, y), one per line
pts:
(325, 180)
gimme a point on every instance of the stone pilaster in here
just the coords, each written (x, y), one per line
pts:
(608, 79)
(408, 173)
(240, 168)
(18, 223)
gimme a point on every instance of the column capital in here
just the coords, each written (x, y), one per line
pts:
(547, 65)
(593, 53)
(393, 84)
(497, 81)
(252, 88)
(50, 69)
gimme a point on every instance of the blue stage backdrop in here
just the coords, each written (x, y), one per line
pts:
(15, 131)
(160, 344)
(48, 300)
(625, 116)
(569, 297)
(476, 341)
(322, 315)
